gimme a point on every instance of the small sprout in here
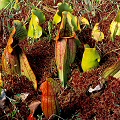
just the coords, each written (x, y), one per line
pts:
(50, 28)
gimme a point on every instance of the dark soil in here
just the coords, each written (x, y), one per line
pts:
(75, 101)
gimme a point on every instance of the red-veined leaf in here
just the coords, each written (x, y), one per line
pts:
(49, 101)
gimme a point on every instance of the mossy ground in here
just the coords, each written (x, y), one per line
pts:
(75, 102)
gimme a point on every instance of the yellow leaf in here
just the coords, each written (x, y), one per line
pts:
(90, 59)
(114, 29)
(84, 21)
(35, 30)
(56, 18)
(1, 82)
(26, 69)
(10, 41)
(97, 34)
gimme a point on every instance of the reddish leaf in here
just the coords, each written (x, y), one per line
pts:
(49, 102)
(61, 59)
(65, 49)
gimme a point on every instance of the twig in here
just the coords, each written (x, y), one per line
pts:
(56, 116)
(112, 51)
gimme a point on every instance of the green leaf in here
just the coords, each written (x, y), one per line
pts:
(21, 32)
(4, 4)
(84, 21)
(64, 7)
(117, 19)
(61, 7)
(74, 22)
(56, 19)
(40, 15)
(35, 30)
(90, 59)
(37, 18)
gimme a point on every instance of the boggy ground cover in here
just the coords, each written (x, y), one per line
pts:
(75, 101)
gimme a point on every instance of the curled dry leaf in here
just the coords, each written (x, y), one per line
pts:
(34, 105)
(97, 34)
(10, 62)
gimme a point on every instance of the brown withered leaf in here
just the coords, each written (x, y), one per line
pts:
(10, 62)
(33, 106)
